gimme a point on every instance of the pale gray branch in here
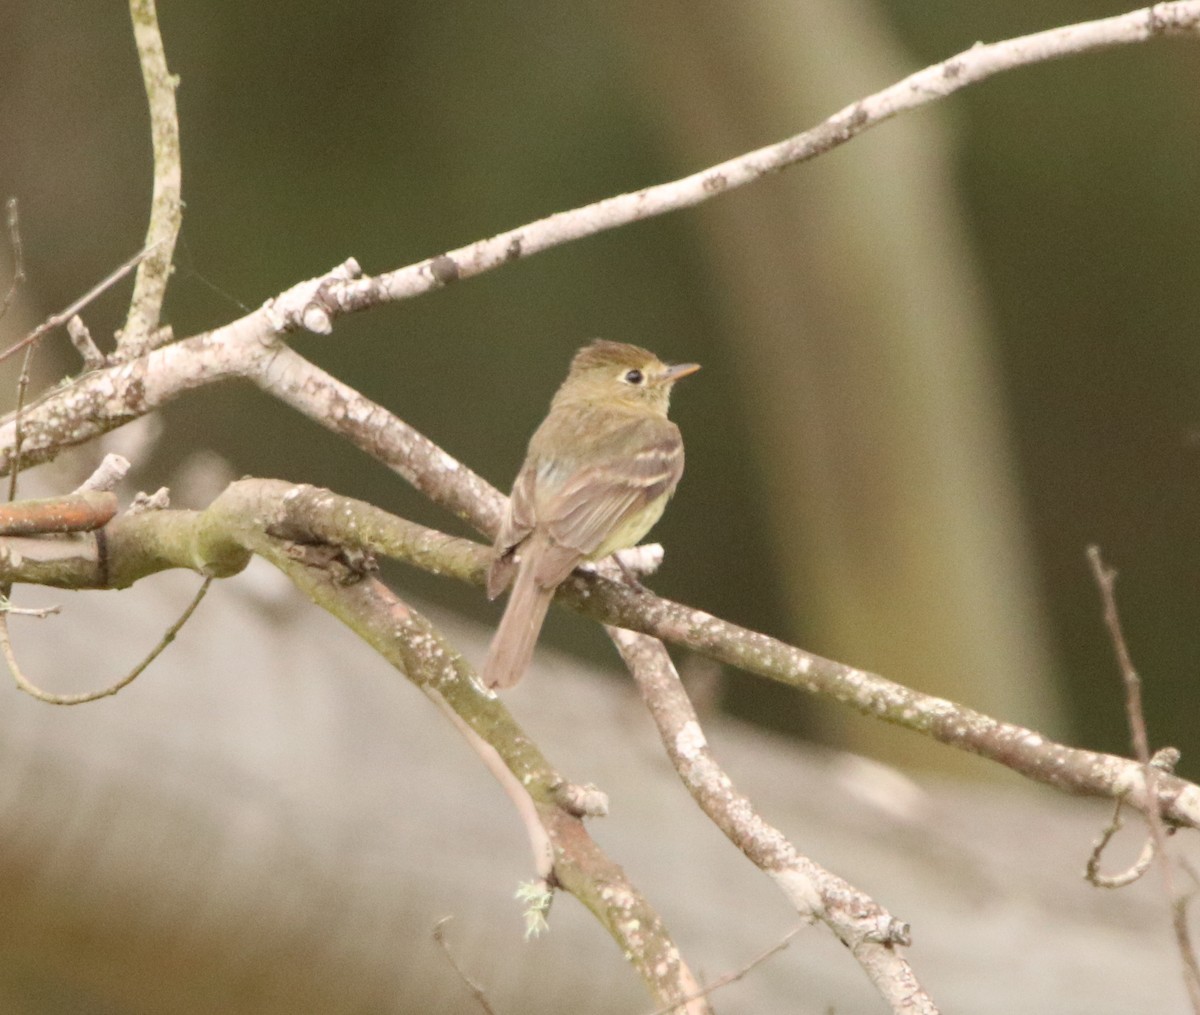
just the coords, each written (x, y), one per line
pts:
(142, 332)
(870, 933)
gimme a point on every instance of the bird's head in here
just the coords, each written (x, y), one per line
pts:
(621, 375)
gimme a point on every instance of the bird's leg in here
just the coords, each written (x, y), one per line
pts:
(639, 560)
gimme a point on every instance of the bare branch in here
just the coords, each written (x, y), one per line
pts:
(141, 332)
(73, 512)
(64, 315)
(111, 470)
(37, 612)
(140, 545)
(81, 338)
(136, 551)
(922, 88)
(372, 428)
(1106, 579)
(251, 347)
(439, 935)
(1128, 876)
(728, 978)
(13, 219)
(264, 517)
(27, 685)
(247, 347)
(866, 928)
(539, 842)
(408, 641)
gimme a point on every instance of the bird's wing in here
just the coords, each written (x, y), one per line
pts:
(586, 507)
(515, 528)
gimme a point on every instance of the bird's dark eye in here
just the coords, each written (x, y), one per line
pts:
(634, 376)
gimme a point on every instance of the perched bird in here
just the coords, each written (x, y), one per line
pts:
(597, 475)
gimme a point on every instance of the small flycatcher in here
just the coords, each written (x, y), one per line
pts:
(598, 473)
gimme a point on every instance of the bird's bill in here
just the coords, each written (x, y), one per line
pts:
(672, 374)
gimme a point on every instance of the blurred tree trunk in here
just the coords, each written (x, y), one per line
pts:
(860, 349)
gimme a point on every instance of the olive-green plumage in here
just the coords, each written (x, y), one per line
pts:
(598, 473)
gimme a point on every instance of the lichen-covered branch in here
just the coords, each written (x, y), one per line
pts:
(142, 332)
(969, 67)
(140, 545)
(251, 349)
(253, 513)
(66, 416)
(1070, 769)
(860, 923)
(302, 530)
(269, 518)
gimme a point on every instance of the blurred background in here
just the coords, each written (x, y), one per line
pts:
(939, 362)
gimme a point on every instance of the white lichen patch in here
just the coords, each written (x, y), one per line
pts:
(800, 890)
(699, 619)
(1129, 780)
(359, 412)
(689, 741)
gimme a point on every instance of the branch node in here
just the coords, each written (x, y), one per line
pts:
(312, 304)
(890, 931)
(38, 612)
(81, 338)
(585, 801)
(1165, 759)
(108, 474)
(160, 500)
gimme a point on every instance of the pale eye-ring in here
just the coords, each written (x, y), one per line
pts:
(634, 376)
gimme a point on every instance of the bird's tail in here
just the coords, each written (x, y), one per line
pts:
(512, 645)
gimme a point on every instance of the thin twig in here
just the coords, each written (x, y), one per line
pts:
(64, 315)
(26, 685)
(1131, 874)
(18, 253)
(439, 935)
(18, 430)
(112, 469)
(37, 612)
(1106, 578)
(539, 842)
(81, 338)
(737, 974)
(141, 332)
